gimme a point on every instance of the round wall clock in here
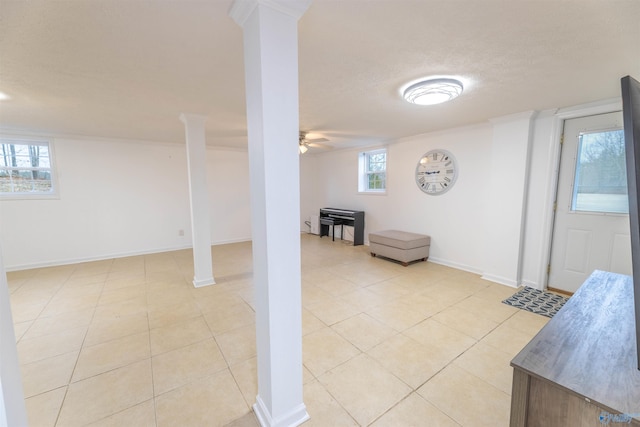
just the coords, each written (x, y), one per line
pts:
(436, 172)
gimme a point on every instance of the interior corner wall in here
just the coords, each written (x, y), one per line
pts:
(228, 184)
(119, 198)
(543, 173)
(458, 220)
(454, 220)
(308, 190)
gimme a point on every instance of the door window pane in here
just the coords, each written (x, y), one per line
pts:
(601, 174)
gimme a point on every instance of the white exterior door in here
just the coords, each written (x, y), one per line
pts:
(591, 226)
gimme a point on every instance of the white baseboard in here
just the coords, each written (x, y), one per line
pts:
(532, 284)
(199, 283)
(501, 280)
(293, 418)
(58, 262)
(455, 265)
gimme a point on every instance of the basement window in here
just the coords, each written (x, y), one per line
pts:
(372, 171)
(26, 169)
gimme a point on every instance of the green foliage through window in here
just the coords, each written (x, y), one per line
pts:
(373, 175)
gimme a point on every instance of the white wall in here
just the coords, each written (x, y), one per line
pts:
(228, 183)
(480, 225)
(454, 220)
(120, 198)
(308, 190)
(507, 196)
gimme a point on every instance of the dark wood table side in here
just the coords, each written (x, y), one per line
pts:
(587, 350)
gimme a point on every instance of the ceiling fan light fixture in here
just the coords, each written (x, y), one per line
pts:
(433, 91)
(303, 148)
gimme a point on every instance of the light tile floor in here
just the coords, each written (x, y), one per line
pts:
(130, 342)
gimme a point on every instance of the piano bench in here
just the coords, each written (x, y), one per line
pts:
(399, 245)
(331, 222)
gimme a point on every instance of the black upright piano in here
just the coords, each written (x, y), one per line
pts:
(346, 217)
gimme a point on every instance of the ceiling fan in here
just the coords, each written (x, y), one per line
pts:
(305, 143)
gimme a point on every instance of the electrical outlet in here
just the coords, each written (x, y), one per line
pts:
(181, 233)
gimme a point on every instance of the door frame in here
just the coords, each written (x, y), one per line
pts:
(553, 158)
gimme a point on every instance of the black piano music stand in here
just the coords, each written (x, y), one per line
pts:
(348, 217)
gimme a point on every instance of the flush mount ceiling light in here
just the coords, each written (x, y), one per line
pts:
(433, 91)
(4, 96)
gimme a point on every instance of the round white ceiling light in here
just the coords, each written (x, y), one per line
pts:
(433, 91)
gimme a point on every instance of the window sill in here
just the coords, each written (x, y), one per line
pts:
(28, 196)
(373, 193)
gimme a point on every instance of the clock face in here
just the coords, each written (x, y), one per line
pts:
(436, 172)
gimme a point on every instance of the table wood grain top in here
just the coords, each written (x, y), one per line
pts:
(589, 346)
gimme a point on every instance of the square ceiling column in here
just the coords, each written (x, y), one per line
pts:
(270, 29)
(199, 198)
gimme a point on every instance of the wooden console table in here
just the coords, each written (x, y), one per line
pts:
(581, 368)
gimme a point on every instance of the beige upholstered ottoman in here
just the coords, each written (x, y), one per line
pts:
(400, 245)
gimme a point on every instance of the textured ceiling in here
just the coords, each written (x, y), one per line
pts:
(127, 69)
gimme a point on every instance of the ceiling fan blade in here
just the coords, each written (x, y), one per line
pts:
(322, 146)
(316, 139)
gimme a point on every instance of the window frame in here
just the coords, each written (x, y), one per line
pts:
(33, 195)
(576, 206)
(364, 172)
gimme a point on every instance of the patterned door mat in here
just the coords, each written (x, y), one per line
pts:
(536, 301)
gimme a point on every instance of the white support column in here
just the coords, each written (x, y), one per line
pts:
(505, 225)
(12, 408)
(270, 30)
(199, 197)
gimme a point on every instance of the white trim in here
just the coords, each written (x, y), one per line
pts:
(199, 283)
(456, 265)
(54, 194)
(590, 109)
(553, 158)
(531, 115)
(501, 280)
(19, 133)
(363, 172)
(241, 9)
(439, 133)
(371, 193)
(115, 255)
(295, 417)
(531, 285)
(489, 277)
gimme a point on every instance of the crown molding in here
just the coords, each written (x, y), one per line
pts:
(241, 9)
